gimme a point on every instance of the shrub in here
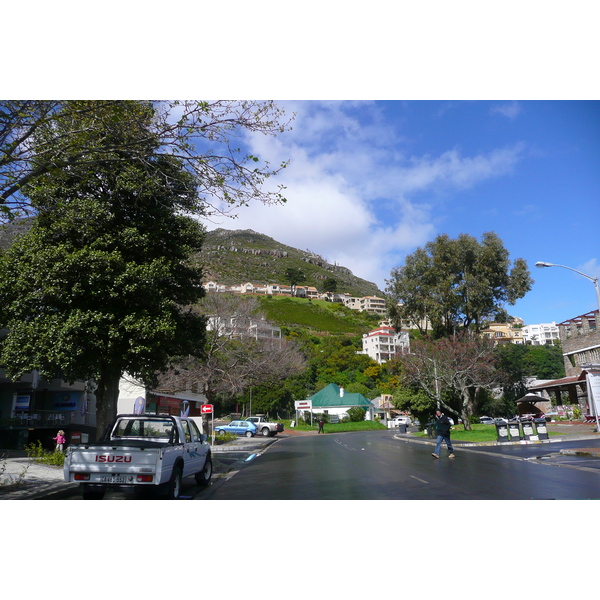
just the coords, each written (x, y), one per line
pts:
(356, 414)
(37, 453)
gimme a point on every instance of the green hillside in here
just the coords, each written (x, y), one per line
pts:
(317, 316)
(242, 256)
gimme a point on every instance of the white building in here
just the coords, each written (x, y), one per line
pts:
(370, 304)
(383, 343)
(538, 335)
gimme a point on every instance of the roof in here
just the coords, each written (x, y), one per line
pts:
(560, 383)
(331, 396)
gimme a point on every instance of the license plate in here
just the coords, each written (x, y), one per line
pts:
(113, 479)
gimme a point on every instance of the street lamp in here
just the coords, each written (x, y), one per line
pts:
(541, 265)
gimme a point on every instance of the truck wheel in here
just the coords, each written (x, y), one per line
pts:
(175, 484)
(203, 478)
(266, 432)
(249, 434)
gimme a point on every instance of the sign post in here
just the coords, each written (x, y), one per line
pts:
(304, 405)
(593, 389)
(206, 409)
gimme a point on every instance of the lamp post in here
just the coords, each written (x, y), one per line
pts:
(541, 265)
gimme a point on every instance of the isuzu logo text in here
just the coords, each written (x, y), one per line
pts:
(112, 458)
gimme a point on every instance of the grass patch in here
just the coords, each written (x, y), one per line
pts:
(336, 427)
(478, 433)
(316, 315)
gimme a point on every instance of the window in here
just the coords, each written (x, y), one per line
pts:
(186, 432)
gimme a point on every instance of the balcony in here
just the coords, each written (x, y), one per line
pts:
(38, 419)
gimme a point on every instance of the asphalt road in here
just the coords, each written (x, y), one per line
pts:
(376, 465)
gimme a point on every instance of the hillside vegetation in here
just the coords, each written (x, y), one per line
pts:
(317, 316)
(242, 256)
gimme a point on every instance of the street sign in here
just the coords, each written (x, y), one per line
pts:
(206, 409)
(303, 404)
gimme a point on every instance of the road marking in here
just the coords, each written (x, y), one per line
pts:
(421, 480)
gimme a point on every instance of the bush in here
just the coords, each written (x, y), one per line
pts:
(356, 414)
(37, 453)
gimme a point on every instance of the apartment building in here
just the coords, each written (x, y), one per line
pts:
(384, 343)
(370, 304)
(538, 335)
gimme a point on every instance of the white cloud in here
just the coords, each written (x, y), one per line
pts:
(591, 268)
(509, 110)
(350, 188)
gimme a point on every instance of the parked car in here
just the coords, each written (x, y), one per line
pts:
(486, 420)
(238, 428)
(500, 421)
(401, 420)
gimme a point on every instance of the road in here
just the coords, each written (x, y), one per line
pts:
(377, 465)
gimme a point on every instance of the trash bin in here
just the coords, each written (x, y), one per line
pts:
(402, 427)
(502, 432)
(514, 431)
(542, 429)
(528, 430)
(430, 429)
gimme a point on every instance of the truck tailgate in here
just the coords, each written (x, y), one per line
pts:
(116, 463)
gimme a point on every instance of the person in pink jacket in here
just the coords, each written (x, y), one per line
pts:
(60, 440)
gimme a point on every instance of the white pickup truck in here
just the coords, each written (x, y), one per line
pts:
(141, 452)
(265, 427)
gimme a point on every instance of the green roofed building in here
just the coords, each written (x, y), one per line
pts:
(334, 400)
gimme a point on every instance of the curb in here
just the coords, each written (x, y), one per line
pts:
(407, 438)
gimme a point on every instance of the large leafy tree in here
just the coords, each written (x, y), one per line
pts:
(38, 137)
(100, 283)
(455, 283)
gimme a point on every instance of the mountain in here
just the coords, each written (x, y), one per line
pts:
(239, 256)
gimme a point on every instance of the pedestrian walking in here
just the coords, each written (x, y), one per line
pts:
(321, 426)
(443, 427)
(60, 440)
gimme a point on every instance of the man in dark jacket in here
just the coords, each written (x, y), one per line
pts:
(443, 427)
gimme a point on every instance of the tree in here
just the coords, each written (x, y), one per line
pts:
(452, 371)
(456, 283)
(294, 276)
(330, 285)
(517, 363)
(100, 284)
(416, 401)
(236, 357)
(80, 134)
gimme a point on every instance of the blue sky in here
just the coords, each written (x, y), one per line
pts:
(370, 181)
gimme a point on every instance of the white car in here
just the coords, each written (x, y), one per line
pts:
(401, 420)
(486, 420)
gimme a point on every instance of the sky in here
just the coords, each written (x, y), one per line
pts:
(371, 181)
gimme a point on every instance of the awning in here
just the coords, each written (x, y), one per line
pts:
(531, 398)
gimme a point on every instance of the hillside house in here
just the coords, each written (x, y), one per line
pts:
(370, 304)
(384, 343)
(538, 335)
(505, 333)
